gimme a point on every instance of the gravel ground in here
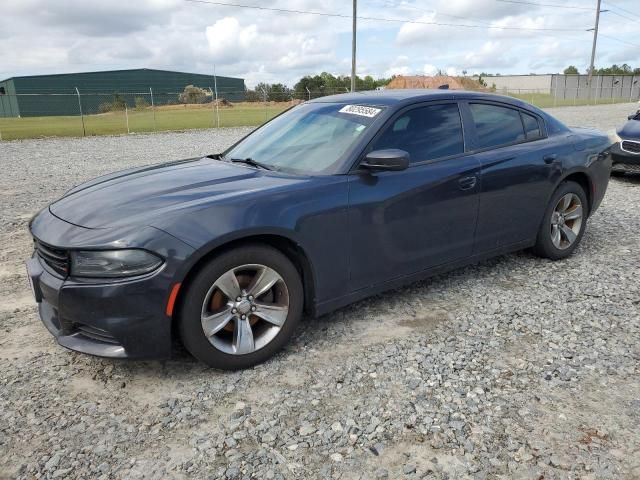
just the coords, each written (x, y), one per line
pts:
(514, 368)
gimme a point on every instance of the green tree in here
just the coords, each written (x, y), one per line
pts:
(328, 84)
(192, 94)
(141, 102)
(272, 92)
(615, 69)
(571, 70)
(279, 92)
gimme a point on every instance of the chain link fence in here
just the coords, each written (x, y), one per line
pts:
(80, 113)
(572, 96)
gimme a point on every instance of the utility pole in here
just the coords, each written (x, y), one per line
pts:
(215, 85)
(353, 48)
(593, 48)
(84, 131)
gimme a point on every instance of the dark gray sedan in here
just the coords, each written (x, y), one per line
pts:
(335, 200)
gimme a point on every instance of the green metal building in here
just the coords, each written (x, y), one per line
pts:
(51, 95)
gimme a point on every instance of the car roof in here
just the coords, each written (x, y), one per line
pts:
(400, 97)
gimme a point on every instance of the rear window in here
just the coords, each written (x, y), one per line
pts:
(531, 126)
(496, 125)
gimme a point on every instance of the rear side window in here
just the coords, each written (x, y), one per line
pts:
(496, 125)
(531, 126)
(427, 133)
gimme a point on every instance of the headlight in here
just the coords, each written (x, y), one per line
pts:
(113, 263)
(614, 137)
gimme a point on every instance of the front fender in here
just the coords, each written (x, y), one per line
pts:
(313, 219)
(235, 237)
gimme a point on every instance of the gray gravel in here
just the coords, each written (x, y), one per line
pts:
(514, 368)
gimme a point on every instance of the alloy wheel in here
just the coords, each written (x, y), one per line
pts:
(245, 309)
(566, 221)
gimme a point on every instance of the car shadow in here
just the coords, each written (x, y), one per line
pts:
(393, 310)
(628, 178)
(350, 327)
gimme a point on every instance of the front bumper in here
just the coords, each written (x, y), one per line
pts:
(118, 318)
(624, 161)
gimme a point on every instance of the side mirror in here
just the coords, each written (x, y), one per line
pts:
(391, 159)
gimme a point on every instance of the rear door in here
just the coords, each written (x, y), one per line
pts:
(518, 162)
(408, 221)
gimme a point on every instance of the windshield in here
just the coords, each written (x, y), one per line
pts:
(310, 138)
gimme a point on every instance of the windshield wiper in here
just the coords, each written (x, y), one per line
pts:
(252, 162)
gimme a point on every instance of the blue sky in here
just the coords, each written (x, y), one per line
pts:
(44, 36)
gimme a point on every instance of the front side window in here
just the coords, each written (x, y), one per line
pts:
(310, 138)
(426, 133)
(496, 126)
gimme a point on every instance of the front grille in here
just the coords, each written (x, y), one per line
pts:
(57, 259)
(95, 333)
(631, 147)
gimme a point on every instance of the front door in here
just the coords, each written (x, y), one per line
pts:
(408, 221)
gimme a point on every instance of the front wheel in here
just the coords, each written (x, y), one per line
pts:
(564, 222)
(241, 308)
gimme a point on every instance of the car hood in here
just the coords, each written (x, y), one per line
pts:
(630, 130)
(137, 196)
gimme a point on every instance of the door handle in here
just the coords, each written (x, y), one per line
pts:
(550, 158)
(467, 183)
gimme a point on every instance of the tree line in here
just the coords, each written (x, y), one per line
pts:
(312, 86)
(614, 69)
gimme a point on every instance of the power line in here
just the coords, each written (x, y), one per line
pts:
(622, 9)
(381, 19)
(623, 16)
(406, 5)
(413, 7)
(619, 40)
(553, 5)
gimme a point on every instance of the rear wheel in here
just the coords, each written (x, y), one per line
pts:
(241, 308)
(564, 222)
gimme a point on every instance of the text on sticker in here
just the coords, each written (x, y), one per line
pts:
(360, 110)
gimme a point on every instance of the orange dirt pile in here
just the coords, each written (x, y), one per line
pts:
(419, 81)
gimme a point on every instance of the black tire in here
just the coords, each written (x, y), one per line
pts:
(618, 173)
(189, 316)
(544, 246)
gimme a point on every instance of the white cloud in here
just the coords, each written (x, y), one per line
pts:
(491, 54)
(411, 33)
(228, 41)
(429, 69)
(400, 70)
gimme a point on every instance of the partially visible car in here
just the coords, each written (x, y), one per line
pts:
(626, 151)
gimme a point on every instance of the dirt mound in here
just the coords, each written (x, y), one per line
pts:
(223, 102)
(437, 81)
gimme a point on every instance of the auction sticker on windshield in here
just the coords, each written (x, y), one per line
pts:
(360, 110)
